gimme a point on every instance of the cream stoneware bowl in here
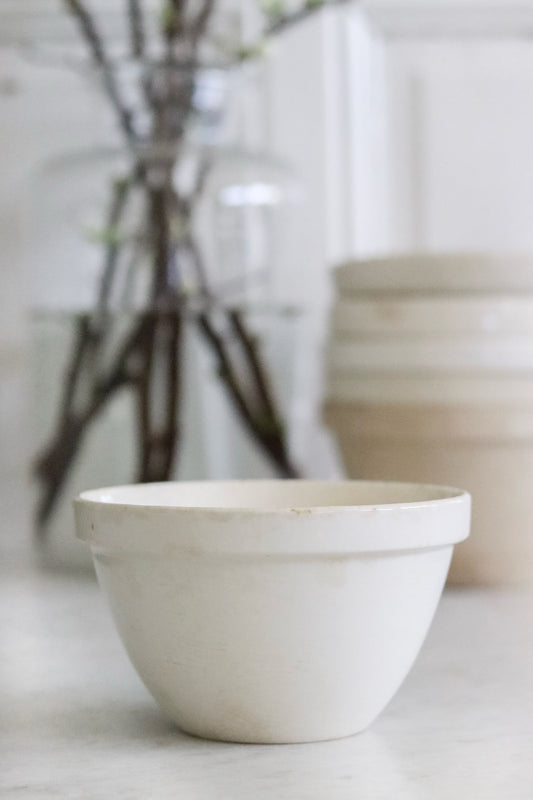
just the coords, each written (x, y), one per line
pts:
(273, 611)
(437, 273)
(401, 388)
(456, 354)
(433, 316)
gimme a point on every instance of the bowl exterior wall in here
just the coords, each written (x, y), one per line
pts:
(434, 317)
(273, 649)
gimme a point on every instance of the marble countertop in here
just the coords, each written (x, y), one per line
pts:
(75, 721)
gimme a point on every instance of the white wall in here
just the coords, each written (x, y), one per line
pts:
(461, 144)
(42, 111)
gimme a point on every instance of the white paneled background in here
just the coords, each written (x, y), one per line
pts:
(410, 124)
(461, 129)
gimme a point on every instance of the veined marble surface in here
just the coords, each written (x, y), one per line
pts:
(75, 721)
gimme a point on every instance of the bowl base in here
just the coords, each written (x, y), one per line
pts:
(235, 738)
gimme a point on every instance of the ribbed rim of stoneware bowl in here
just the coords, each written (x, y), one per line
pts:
(438, 272)
(297, 516)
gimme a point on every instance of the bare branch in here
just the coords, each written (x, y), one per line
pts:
(158, 445)
(121, 189)
(249, 347)
(53, 465)
(200, 23)
(265, 429)
(94, 40)
(286, 21)
(137, 39)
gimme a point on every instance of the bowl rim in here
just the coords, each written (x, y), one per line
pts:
(441, 518)
(103, 496)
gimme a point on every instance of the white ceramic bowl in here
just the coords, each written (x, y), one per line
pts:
(273, 611)
(437, 272)
(458, 354)
(434, 316)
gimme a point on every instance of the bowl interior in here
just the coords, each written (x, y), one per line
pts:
(269, 495)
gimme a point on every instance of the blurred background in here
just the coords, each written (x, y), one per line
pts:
(360, 130)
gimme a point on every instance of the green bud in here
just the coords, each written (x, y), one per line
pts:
(110, 236)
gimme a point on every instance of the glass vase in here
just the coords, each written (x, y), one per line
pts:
(172, 247)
